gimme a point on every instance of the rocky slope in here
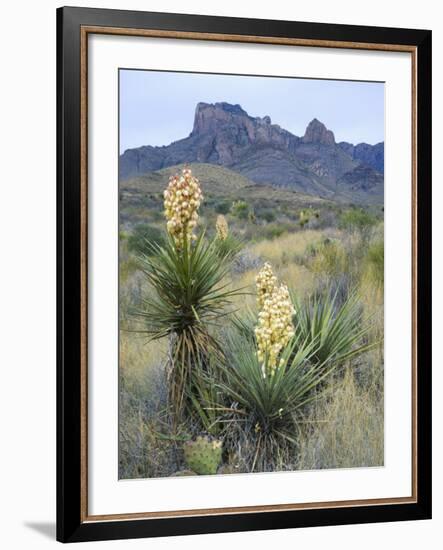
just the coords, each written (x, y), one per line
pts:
(141, 197)
(371, 155)
(224, 134)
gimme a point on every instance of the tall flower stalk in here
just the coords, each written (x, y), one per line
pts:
(227, 243)
(275, 328)
(182, 199)
(222, 228)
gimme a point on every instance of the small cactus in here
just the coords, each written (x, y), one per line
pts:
(203, 454)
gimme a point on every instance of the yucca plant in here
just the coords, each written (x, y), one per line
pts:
(245, 324)
(266, 408)
(339, 329)
(231, 245)
(205, 397)
(188, 295)
(226, 242)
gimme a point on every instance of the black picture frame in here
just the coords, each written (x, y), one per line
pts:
(71, 523)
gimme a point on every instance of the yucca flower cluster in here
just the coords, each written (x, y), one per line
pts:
(266, 283)
(182, 199)
(275, 327)
(222, 228)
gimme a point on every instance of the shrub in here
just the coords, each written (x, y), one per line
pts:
(222, 207)
(357, 220)
(142, 236)
(327, 258)
(273, 231)
(240, 209)
(268, 215)
(307, 215)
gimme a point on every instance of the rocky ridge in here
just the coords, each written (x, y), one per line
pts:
(224, 134)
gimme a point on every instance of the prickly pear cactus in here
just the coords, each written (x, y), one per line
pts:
(203, 454)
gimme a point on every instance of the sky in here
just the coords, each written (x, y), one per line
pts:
(157, 108)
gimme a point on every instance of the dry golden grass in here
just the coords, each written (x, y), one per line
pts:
(347, 430)
(138, 356)
(296, 277)
(142, 396)
(245, 281)
(280, 250)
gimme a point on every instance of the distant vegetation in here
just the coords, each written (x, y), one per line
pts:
(142, 236)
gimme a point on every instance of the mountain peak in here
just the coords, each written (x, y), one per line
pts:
(221, 106)
(316, 132)
(208, 116)
(225, 134)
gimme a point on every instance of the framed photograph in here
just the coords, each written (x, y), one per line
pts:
(244, 274)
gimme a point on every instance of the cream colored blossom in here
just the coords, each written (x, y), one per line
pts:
(275, 327)
(221, 226)
(182, 199)
(266, 283)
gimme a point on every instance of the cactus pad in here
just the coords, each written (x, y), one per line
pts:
(203, 454)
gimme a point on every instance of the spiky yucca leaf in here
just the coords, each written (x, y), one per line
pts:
(269, 407)
(271, 397)
(206, 397)
(188, 294)
(340, 330)
(245, 323)
(231, 246)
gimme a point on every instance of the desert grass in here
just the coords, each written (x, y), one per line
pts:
(142, 390)
(282, 250)
(345, 430)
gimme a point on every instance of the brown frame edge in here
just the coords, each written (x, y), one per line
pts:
(84, 32)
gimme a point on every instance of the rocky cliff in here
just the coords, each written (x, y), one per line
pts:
(224, 134)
